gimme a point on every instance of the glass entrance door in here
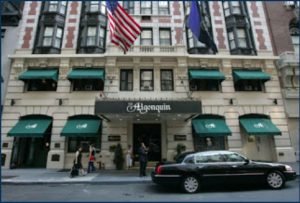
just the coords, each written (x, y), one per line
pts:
(150, 134)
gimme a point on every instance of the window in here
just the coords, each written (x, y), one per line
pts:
(163, 7)
(249, 85)
(233, 157)
(295, 41)
(91, 36)
(238, 28)
(57, 6)
(202, 143)
(146, 81)
(166, 80)
(232, 8)
(98, 6)
(204, 85)
(146, 7)
(84, 142)
(146, 37)
(165, 36)
(41, 85)
(195, 46)
(129, 6)
(3, 33)
(126, 80)
(49, 37)
(88, 85)
(238, 41)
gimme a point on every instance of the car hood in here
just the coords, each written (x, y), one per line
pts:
(267, 163)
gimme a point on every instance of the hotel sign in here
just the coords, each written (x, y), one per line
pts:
(145, 107)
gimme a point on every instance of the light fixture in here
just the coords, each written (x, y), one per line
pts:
(231, 101)
(12, 102)
(60, 102)
(275, 101)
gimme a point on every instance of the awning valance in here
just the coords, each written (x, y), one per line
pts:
(250, 75)
(86, 73)
(259, 126)
(206, 75)
(32, 74)
(81, 128)
(30, 127)
(211, 127)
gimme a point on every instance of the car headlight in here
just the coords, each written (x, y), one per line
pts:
(288, 168)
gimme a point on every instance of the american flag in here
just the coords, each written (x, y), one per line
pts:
(123, 28)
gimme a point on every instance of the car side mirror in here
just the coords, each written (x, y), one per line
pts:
(247, 161)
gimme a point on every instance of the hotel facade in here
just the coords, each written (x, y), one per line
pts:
(69, 86)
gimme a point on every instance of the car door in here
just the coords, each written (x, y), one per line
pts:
(212, 168)
(241, 170)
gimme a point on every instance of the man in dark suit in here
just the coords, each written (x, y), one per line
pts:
(143, 153)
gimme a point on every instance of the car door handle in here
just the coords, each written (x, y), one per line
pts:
(234, 166)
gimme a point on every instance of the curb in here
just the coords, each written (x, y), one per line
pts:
(72, 182)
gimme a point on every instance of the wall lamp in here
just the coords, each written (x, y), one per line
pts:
(60, 102)
(275, 101)
(231, 101)
(12, 102)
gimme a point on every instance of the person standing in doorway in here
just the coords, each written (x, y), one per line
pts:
(143, 153)
(91, 166)
(78, 161)
(129, 157)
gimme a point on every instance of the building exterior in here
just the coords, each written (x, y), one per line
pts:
(71, 86)
(284, 28)
(11, 13)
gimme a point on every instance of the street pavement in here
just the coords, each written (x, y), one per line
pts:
(55, 176)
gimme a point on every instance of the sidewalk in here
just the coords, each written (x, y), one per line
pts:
(55, 176)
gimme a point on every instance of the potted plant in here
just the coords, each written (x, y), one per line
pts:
(119, 158)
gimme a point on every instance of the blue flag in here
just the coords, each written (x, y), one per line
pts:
(198, 30)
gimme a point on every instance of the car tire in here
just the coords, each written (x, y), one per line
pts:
(275, 180)
(190, 184)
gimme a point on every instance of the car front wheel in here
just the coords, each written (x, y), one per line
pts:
(275, 180)
(190, 184)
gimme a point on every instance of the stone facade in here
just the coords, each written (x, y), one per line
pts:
(281, 16)
(176, 58)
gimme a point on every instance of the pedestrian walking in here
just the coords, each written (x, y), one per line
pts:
(143, 157)
(91, 166)
(129, 157)
(78, 161)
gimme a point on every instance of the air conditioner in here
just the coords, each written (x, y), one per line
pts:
(88, 87)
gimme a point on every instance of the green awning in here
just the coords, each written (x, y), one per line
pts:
(81, 128)
(50, 74)
(206, 75)
(86, 73)
(259, 126)
(211, 127)
(250, 75)
(30, 127)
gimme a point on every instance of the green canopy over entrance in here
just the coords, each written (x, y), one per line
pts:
(86, 73)
(206, 75)
(82, 128)
(32, 74)
(211, 127)
(259, 126)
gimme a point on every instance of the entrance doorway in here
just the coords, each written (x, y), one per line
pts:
(150, 134)
(30, 152)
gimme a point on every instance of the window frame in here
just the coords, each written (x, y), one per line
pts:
(171, 81)
(151, 81)
(141, 37)
(160, 8)
(203, 85)
(143, 9)
(165, 39)
(129, 6)
(126, 80)
(61, 7)
(81, 84)
(79, 140)
(100, 7)
(53, 36)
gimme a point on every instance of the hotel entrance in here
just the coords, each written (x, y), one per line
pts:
(150, 134)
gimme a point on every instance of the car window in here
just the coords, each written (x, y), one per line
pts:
(189, 160)
(200, 159)
(234, 157)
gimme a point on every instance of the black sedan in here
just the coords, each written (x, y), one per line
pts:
(220, 167)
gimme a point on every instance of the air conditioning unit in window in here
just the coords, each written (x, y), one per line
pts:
(88, 87)
(193, 87)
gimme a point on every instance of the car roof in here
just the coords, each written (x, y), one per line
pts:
(212, 152)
